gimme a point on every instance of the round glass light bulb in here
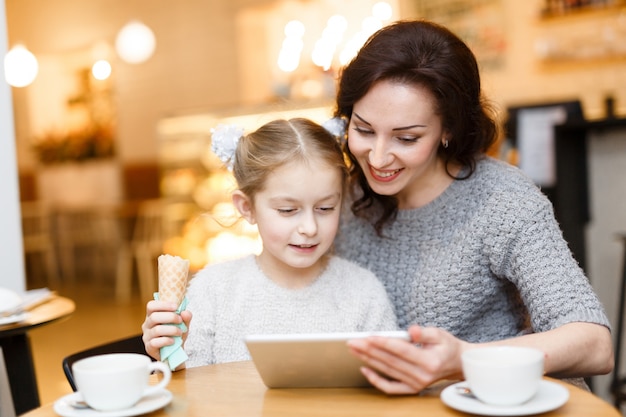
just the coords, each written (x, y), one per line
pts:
(294, 29)
(20, 67)
(135, 42)
(337, 23)
(101, 69)
(382, 11)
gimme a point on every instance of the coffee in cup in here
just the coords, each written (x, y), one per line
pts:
(117, 381)
(503, 375)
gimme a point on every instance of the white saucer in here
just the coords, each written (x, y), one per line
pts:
(15, 318)
(550, 397)
(146, 405)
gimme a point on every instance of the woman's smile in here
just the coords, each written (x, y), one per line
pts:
(386, 175)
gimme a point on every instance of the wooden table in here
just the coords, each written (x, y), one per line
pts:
(235, 389)
(17, 353)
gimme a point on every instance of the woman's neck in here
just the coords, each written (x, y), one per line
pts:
(420, 193)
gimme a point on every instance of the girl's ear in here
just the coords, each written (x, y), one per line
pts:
(244, 206)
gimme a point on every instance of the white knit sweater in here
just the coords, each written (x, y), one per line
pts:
(231, 299)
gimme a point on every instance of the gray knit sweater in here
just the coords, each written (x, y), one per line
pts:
(231, 299)
(485, 260)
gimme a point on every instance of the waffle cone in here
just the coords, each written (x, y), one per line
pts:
(173, 275)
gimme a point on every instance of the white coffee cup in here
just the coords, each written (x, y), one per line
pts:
(117, 381)
(503, 375)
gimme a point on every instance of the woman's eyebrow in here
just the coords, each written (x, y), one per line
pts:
(362, 119)
(395, 128)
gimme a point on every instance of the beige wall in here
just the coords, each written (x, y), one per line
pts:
(200, 44)
(191, 68)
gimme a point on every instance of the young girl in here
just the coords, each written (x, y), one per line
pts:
(291, 177)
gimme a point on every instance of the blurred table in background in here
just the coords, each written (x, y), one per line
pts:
(16, 348)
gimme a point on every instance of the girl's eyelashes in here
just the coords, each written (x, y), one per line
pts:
(293, 210)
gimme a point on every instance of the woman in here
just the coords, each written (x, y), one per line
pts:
(467, 246)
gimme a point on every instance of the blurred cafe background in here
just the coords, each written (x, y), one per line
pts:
(107, 107)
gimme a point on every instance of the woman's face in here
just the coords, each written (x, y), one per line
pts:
(394, 134)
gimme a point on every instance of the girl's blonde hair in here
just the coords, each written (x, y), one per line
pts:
(279, 142)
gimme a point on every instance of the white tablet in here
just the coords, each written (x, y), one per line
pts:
(312, 360)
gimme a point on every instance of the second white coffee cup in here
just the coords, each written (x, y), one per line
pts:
(117, 381)
(503, 375)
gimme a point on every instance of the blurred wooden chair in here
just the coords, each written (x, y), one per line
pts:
(88, 239)
(145, 245)
(38, 240)
(157, 221)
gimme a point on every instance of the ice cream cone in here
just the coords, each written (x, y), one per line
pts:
(173, 277)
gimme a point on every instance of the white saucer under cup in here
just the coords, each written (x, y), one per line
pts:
(117, 381)
(64, 406)
(550, 396)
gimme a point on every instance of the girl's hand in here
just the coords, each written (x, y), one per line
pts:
(157, 331)
(400, 367)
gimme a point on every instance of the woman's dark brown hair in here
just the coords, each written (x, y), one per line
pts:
(426, 54)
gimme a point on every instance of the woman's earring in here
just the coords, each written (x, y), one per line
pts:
(445, 143)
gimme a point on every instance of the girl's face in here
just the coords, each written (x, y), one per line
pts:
(297, 215)
(394, 134)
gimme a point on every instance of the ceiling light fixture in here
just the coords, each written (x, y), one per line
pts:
(20, 66)
(135, 43)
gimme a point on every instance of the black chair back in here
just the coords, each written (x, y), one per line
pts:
(132, 344)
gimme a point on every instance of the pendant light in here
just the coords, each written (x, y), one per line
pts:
(20, 66)
(135, 43)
